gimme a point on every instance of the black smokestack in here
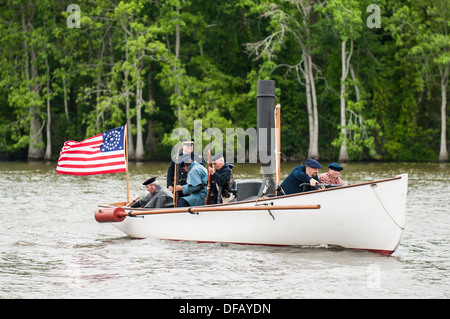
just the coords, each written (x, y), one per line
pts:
(266, 139)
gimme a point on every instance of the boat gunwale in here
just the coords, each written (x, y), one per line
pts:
(260, 200)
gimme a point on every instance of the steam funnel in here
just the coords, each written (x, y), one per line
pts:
(266, 134)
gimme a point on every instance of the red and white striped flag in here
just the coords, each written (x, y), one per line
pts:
(100, 154)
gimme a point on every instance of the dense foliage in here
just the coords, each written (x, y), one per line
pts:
(356, 80)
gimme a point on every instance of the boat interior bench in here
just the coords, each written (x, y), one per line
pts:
(248, 189)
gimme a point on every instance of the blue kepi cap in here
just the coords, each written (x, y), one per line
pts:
(313, 163)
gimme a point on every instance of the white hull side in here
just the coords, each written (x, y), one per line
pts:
(367, 216)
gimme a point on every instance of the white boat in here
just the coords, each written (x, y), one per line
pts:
(368, 216)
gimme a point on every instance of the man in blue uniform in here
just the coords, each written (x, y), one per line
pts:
(188, 147)
(301, 174)
(195, 188)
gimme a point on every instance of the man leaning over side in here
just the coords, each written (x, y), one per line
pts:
(303, 178)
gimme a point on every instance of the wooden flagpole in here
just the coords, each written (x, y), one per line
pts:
(277, 144)
(126, 152)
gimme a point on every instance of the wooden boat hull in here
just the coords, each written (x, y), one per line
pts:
(369, 216)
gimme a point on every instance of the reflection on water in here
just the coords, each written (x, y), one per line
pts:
(51, 246)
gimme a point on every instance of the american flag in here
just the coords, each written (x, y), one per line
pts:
(100, 154)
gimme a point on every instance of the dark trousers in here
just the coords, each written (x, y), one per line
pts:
(183, 203)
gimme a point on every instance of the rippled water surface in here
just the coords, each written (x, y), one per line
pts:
(51, 246)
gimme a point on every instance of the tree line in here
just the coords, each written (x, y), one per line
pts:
(356, 80)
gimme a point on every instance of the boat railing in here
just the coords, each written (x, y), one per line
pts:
(305, 186)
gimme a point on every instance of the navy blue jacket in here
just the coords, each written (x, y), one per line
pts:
(291, 184)
(221, 178)
(182, 174)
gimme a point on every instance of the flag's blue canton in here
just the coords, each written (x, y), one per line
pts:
(113, 140)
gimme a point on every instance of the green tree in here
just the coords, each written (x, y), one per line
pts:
(140, 46)
(290, 23)
(421, 29)
(26, 73)
(348, 23)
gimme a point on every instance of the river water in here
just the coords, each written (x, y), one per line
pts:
(51, 246)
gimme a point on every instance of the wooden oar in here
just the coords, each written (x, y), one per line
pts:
(320, 185)
(118, 214)
(198, 209)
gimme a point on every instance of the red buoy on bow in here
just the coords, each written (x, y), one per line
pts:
(110, 215)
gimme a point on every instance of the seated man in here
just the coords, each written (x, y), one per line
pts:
(157, 197)
(332, 176)
(187, 150)
(301, 174)
(196, 182)
(221, 177)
